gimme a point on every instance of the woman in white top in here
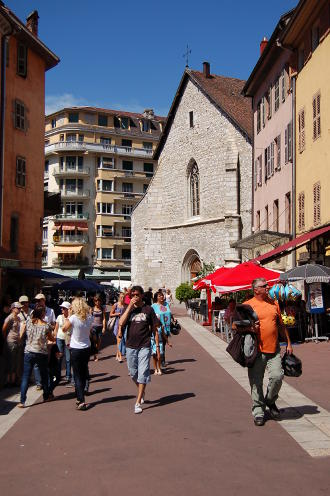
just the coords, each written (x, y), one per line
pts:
(169, 297)
(62, 341)
(81, 323)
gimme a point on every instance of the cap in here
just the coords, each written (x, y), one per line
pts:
(16, 304)
(66, 305)
(23, 299)
(40, 296)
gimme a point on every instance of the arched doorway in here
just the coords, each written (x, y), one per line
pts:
(191, 265)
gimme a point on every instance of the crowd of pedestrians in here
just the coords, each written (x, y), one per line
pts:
(35, 340)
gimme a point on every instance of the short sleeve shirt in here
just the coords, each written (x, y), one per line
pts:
(60, 322)
(270, 319)
(12, 329)
(80, 332)
(37, 337)
(140, 325)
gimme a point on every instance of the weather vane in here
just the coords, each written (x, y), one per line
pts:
(186, 55)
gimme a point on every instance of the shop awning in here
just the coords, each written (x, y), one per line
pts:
(260, 238)
(37, 273)
(282, 250)
(68, 249)
(82, 228)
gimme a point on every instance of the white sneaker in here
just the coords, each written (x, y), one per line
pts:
(137, 408)
(142, 400)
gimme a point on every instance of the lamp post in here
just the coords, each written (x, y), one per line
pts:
(119, 278)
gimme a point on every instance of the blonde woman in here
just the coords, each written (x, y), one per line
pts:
(116, 311)
(81, 323)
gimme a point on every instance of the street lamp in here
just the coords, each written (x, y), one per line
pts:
(119, 278)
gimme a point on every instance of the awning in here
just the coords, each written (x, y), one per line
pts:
(68, 249)
(82, 228)
(282, 250)
(260, 238)
(66, 227)
(37, 273)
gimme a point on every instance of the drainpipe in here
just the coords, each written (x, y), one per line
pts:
(294, 255)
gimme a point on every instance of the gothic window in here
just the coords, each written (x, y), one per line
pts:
(194, 190)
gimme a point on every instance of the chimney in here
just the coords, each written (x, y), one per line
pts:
(206, 69)
(263, 44)
(32, 22)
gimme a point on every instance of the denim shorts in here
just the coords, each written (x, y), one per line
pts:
(138, 363)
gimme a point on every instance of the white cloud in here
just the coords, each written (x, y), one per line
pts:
(57, 102)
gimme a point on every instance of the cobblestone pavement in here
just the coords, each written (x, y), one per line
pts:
(194, 437)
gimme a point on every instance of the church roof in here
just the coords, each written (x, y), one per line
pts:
(223, 92)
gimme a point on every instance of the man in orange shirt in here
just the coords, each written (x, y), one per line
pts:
(267, 330)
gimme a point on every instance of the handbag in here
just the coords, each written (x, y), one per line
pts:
(111, 323)
(175, 327)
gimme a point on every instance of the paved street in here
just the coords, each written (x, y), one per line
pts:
(194, 437)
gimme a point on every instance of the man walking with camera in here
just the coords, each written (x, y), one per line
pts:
(267, 329)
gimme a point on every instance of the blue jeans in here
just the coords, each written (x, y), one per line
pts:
(79, 359)
(138, 363)
(62, 348)
(31, 359)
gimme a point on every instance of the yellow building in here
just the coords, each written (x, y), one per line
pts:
(308, 37)
(101, 162)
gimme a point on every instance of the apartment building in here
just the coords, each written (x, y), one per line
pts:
(101, 162)
(24, 61)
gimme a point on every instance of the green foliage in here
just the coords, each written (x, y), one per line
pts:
(207, 269)
(185, 292)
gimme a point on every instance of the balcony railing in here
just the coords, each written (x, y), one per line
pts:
(59, 262)
(72, 216)
(97, 147)
(78, 239)
(71, 171)
(77, 193)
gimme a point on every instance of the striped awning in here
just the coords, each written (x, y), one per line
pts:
(68, 249)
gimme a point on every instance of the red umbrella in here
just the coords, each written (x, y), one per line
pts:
(207, 281)
(241, 277)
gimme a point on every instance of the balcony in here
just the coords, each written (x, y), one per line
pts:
(76, 193)
(71, 171)
(70, 264)
(76, 239)
(83, 146)
(71, 217)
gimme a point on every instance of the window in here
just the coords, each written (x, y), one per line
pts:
(145, 125)
(277, 95)
(46, 166)
(283, 85)
(127, 187)
(126, 232)
(126, 142)
(80, 137)
(263, 111)
(45, 234)
(145, 187)
(124, 121)
(102, 120)
(260, 170)
(317, 203)
(315, 37)
(105, 141)
(21, 60)
(20, 172)
(126, 209)
(104, 185)
(71, 137)
(194, 190)
(104, 208)
(269, 103)
(148, 168)
(266, 218)
(316, 116)
(258, 220)
(278, 152)
(255, 174)
(61, 137)
(13, 233)
(147, 145)
(116, 122)
(275, 216)
(301, 130)
(104, 253)
(301, 211)
(104, 231)
(20, 115)
(80, 162)
(126, 254)
(288, 213)
(258, 117)
(70, 163)
(191, 119)
(73, 117)
(53, 123)
(288, 143)
(127, 165)
(269, 161)
(105, 162)
(271, 167)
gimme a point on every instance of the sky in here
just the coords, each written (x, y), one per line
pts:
(129, 55)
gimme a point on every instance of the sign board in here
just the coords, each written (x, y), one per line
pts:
(315, 297)
(8, 262)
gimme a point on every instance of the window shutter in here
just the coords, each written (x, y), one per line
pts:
(265, 165)
(317, 203)
(286, 145)
(260, 170)
(255, 174)
(290, 141)
(271, 158)
(318, 112)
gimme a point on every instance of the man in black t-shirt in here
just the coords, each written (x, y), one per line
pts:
(141, 323)
(147, 297)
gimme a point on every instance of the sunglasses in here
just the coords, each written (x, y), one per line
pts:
(263, 286)
(135, 294)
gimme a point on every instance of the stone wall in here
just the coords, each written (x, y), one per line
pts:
(163, 230)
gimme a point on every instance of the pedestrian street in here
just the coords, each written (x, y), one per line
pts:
(195, 435)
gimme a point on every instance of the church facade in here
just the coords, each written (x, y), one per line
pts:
(199, 200)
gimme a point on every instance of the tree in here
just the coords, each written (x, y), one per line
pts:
(207, 269)
(185, 292)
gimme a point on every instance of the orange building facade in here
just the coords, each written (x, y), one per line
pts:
(24, 61)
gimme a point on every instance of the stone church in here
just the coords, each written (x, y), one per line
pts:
(199, 200)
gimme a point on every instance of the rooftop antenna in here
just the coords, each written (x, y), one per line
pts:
(186, 55)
